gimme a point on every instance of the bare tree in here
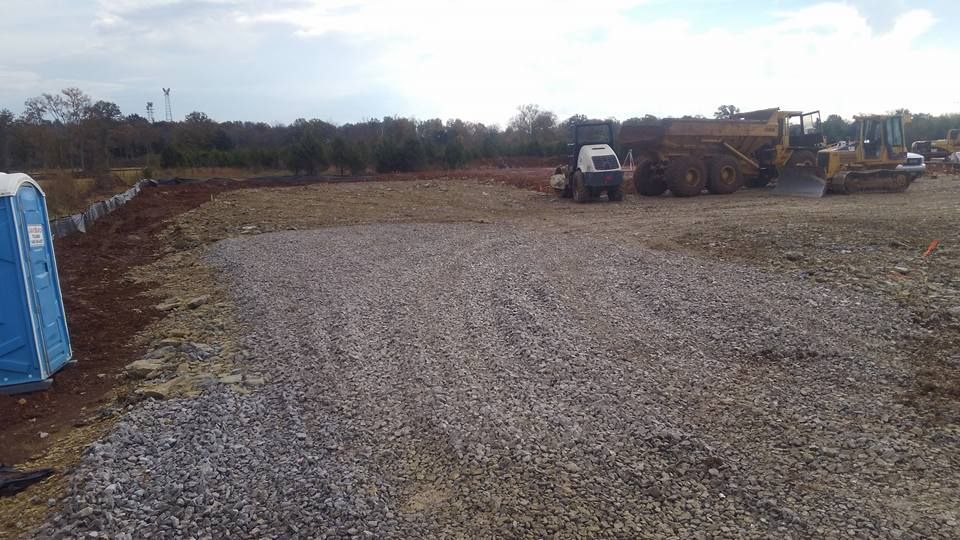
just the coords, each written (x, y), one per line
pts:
(543, 127)
(34, 111)
(6, 133)
(55, 106)
(726, 111)
(76, 104)
(67, 109)
(33, 118)
(537, 125)
(525, 118)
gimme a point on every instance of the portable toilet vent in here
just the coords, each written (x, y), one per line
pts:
(34, 342)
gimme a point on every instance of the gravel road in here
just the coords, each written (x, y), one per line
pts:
(480, 381)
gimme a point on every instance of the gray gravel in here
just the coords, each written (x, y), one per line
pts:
(478, 381)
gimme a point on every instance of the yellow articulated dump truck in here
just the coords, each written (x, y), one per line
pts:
(688, 155)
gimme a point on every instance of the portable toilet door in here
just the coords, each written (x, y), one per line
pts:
(34, 342)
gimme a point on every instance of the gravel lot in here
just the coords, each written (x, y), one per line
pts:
(479, 381)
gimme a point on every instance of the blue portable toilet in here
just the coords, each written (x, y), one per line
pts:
(34, 342)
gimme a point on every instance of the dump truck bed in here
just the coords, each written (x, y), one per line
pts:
(746, 133)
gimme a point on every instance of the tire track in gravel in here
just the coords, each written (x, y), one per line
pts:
(522, 351)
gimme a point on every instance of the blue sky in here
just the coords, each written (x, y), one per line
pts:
(347, 60)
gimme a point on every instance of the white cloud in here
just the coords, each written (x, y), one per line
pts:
(18, 81)
(350, 59)
(33, 83)
(480, 60)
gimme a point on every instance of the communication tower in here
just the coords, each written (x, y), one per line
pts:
(166, 99)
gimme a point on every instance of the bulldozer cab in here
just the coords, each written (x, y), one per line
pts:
(801, 130)
(881, 140)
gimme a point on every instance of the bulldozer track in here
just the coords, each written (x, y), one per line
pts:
(871, 182)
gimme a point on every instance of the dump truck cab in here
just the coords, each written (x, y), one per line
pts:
(799, 138)
(799, 131)
(592, 165)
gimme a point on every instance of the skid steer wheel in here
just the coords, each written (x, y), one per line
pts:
(646, 181)
(724, 176)
(685, 176)
(615, 194)
(580, 192)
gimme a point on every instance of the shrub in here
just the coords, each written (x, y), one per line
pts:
(64, 196)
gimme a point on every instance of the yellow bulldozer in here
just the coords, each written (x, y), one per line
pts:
(867, 163)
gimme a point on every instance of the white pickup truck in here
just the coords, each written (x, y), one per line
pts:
(914, 165)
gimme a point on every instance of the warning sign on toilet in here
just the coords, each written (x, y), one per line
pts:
(36, 235)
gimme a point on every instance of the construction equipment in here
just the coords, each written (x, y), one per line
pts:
(593, 167)
(687, 155)
(939, 149)
(867, 164)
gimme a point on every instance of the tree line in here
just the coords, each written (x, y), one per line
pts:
(69, 130)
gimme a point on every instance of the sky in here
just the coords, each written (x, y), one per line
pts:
(350, 60)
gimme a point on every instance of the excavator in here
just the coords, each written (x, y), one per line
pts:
(866, 164)
(941, 148)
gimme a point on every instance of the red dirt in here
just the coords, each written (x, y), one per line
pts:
(517, 162)
(104, 312)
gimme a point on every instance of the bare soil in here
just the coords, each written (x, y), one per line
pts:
(873, 244)
(104, 311)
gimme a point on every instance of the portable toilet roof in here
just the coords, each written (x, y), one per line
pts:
(34, 342)
(10, 183)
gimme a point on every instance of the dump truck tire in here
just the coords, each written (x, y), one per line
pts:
(580, 192)
(686, 176)
(615, 194)
(724, 175)
(646, 181)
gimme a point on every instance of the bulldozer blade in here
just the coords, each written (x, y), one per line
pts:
(800, 182)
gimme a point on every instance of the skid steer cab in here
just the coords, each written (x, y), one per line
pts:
(593, 167)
